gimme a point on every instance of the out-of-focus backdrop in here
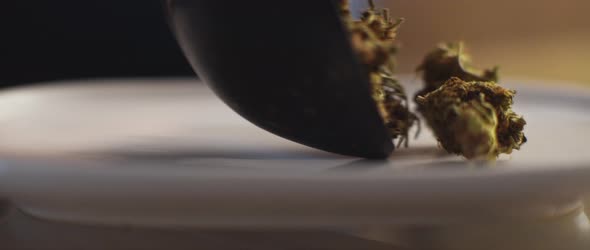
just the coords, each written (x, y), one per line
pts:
(64, 39)
(542, 39)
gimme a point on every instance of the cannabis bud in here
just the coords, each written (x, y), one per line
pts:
(373, 40)
(450, 60)
(473, 119)
(469, 113)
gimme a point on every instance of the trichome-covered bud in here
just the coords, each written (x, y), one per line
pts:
(473, 119)
(373, 39)
(450, 60)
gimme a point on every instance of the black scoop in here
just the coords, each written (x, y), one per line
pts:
(286, 66)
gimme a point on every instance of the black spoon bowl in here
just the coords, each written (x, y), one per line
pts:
(287, 67)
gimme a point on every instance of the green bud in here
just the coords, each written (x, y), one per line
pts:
(473, 119)
(450, 60)
(373, 40)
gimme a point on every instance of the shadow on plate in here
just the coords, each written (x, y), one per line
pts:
(416, 158)
(418, 152)
(245, 154)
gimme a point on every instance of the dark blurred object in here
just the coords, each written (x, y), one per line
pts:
(64, 39)
(297, 78)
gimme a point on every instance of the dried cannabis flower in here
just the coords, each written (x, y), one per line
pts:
(373, 39)
(450, 60)
(469, 113)
(473, 119)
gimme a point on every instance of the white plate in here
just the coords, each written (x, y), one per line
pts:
(168, 153)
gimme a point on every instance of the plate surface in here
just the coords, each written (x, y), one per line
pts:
(168, 153)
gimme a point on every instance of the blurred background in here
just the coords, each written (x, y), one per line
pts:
(542, 39)
(67, 39)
